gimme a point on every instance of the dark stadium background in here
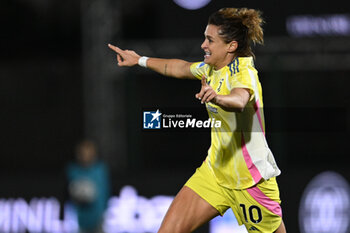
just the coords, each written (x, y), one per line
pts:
(60, 83)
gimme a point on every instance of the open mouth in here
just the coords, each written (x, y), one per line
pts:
(207, 54)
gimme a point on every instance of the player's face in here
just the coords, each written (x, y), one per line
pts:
(217, 53)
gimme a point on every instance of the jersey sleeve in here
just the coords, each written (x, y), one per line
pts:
(245, 78)
(198, 69)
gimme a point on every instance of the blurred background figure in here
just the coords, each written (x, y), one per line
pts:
(88, 187)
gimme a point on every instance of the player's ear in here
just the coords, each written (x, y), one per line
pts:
(232, 46)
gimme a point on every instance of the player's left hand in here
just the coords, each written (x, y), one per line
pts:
(207, 93)
(125, 57)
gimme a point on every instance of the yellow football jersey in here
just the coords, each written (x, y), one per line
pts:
(239, 155)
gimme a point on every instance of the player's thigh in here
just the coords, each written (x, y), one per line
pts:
(187, 212)
(281, 228)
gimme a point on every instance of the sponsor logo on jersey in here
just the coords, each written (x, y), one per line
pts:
(200, 64)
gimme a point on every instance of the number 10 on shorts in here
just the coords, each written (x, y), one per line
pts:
(254, 213)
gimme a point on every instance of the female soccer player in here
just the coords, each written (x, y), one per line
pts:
(239, 171)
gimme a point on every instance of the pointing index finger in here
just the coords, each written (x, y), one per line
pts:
(115, 48)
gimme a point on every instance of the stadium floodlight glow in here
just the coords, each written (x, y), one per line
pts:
(325, 205)
(324, 25)
(192, 4)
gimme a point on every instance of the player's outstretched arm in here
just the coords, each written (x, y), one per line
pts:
(176, 68)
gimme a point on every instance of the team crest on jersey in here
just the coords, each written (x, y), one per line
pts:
(152, 119)
(220, 84)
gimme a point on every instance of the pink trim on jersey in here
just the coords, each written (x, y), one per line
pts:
(248, 160)
(256, 108)
(265, 201)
